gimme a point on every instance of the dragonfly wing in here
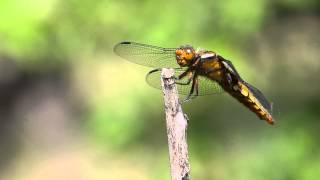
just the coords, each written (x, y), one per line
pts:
(146, 55)
(261, 98)
(206, 86)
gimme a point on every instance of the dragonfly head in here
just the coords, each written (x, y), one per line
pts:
(185, 55)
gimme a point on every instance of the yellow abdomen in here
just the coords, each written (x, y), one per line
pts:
(240, 90)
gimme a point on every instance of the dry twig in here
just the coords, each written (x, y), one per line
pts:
(177, 124)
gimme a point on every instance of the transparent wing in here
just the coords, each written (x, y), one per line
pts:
(146, 55)
(261, 98)
(206, 86)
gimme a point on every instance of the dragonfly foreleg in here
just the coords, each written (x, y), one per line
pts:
(184, 74)
(190, 75)
(189, 72)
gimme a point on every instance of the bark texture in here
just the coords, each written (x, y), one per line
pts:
(177, 123)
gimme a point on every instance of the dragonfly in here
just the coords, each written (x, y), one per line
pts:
(198, 72)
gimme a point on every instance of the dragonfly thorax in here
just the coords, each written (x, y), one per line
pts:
(185, 55)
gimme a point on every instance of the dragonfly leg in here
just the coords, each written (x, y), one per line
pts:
(190, 77)
(184, 74)
(189, 71)
(197, 87)
(194, 86)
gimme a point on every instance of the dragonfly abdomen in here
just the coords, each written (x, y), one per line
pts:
(226, 75)
(243, 93)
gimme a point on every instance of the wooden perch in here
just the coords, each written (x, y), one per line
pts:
(177, 124)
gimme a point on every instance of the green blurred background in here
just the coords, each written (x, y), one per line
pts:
(71, 109)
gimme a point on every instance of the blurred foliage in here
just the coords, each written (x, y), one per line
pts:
(273, 44)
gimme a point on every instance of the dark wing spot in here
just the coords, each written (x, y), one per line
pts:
(125, 42)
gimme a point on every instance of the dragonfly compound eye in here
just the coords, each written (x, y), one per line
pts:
(185, 55)
(189, 54)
